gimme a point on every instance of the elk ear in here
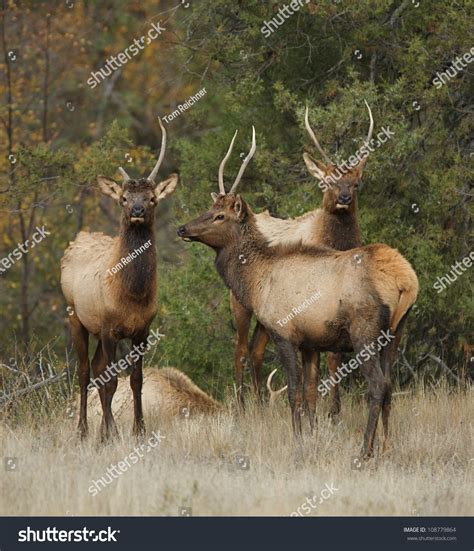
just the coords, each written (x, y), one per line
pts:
(214, 196)
(359, 167)
(240, 208)
(316, 168)
(166, 187)
(110, 187)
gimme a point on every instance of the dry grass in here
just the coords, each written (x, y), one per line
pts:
(428, 471)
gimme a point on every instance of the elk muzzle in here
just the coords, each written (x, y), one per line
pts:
(344, 200)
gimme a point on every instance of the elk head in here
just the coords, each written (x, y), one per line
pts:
(216, 226)
(139, 197)
(339, 183)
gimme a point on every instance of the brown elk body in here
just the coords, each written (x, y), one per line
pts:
(334, 225)
(110, 286)
(167, 392)
(362, 292)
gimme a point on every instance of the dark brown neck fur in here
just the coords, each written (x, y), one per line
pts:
(339, 228)
(138, 277)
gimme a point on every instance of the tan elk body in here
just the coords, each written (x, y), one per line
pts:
(333, 225)
(110, 288)
(167, 392)
(363, 292)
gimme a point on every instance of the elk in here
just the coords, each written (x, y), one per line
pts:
(334, 225)
(111, 303)
(167, 392)
(363, 292)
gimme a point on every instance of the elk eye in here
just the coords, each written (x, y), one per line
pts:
(219, 217)
(124, 201)
(152, 200)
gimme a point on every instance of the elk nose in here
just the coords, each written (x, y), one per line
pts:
(344, 199)
(138, 212)
(181, 231)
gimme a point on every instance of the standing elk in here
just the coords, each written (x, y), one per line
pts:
(363, 292)
(334, 225)
(111, 303)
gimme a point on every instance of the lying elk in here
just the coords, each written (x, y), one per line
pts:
(166, 392)
(363, 292)
(110, 296)
(335, 225)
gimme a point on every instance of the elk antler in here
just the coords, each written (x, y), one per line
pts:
(246, 162)
(154, 172)
(242, 168)
(313, 137)
(125, 176)
(222, 165)
(371, 128)
(274, 393)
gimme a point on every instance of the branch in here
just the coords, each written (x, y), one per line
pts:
(440, 362)
(7, 398)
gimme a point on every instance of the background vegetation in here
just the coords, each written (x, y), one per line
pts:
(58, 134)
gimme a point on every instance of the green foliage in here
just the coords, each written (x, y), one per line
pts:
(330, 56)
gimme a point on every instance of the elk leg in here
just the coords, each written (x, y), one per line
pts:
(96, 370)
(334, 361)
(109, 345)
(289, 358)
(310, 384)
(242, 318)
(387, 357)
(377, 390)
(257, 352)
(80, 338)
(136, 383)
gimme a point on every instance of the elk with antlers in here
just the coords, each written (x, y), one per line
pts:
(359, 300)
(334, 225)
(111, 303)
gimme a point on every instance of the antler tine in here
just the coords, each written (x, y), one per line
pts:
(313, 137)
(222, 165)
(154, 172)
(274, 393)
(371, 128)
(125, 176)
(246, 162)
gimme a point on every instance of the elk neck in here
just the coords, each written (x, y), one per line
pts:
(339, 228)
(137, 277)
(244, 255)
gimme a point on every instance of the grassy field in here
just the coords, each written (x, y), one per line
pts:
(248, 464)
